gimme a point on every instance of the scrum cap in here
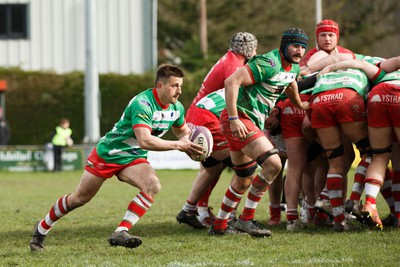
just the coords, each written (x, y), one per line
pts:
(292, 36)
(327, 25)
(243, 43)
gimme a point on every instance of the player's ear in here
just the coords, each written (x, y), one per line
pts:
(159, 84)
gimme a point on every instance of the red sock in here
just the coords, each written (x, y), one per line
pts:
(386, 190)
(335, 189)
(203, 201)
(136, 209)
(359, 177)
(256, 192)
(396, 191)
(231, 199)
(275, 213)
(57, 211)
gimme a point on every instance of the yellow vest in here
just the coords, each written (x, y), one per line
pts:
(60, 138)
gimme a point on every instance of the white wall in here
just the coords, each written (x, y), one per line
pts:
(57, 37)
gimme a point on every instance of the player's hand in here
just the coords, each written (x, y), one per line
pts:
(305, 105)
(324, 71)
(238, 129)
(189, 147)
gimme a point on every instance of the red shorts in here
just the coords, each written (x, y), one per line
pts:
(97, 166)
(236, 144)
(292, 118)
(334, 107)
(202, 117)
(384, 106)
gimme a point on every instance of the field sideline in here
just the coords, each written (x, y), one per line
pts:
(80, 239)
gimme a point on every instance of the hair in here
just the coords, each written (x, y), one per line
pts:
(292, 36)
(243, 43)
(63, 120)
(328, 25)
(165, 71)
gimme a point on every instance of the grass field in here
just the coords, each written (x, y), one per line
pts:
(80, 239)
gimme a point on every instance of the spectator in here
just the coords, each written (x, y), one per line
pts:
(61, 139)
(4, 129)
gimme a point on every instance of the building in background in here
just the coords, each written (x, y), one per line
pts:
(50, 35)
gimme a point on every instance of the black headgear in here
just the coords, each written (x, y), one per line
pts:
(292, 36)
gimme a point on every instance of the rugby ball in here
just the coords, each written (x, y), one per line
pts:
(202, 136)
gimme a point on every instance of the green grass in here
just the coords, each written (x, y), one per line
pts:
(80, 239)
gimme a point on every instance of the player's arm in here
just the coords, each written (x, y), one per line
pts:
(181, 132)
(391, 64)
(369, 69)
(292, 93)
(154, 143)
(325, 61)
(241, 77)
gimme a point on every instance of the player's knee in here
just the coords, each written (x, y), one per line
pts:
(364, 147)
(77, 200)
(246, 170)
(334, 153)
(153, 187)
(378, 151)
(270, 160)
(210, 162)
(274, 167)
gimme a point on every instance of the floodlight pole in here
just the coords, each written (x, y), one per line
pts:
(92, 95)
(318, 11)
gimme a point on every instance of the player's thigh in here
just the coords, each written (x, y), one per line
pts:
(330, 137)
(355, 131)
(87, 188)
(380, 138)
(257, 147)
(142, 176)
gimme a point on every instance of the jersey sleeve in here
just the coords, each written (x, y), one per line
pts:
(180, 121)
(142, 114)
(262, 68)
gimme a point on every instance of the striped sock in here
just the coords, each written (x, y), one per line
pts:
(359, 177)
(334, 183)
(372, 188)
(256, 192)
(386, 190)
(189, 207)
(292, 215)
(324, 193)
(136, 209)
(57, 211)
(396, 192)
(229, 203)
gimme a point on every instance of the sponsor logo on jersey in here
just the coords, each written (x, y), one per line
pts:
(165, 115)
(330, 97)
(284, 77)
(271, 62)
(391, 99)
(144, 102)
(143, 116)
(288, 110)
(293, 111)
(376, 98)
(316, 100)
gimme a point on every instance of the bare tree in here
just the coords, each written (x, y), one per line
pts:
(203, 28)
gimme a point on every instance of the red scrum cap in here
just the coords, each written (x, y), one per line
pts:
(328, 25)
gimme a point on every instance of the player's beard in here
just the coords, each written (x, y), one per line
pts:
(292, 60)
